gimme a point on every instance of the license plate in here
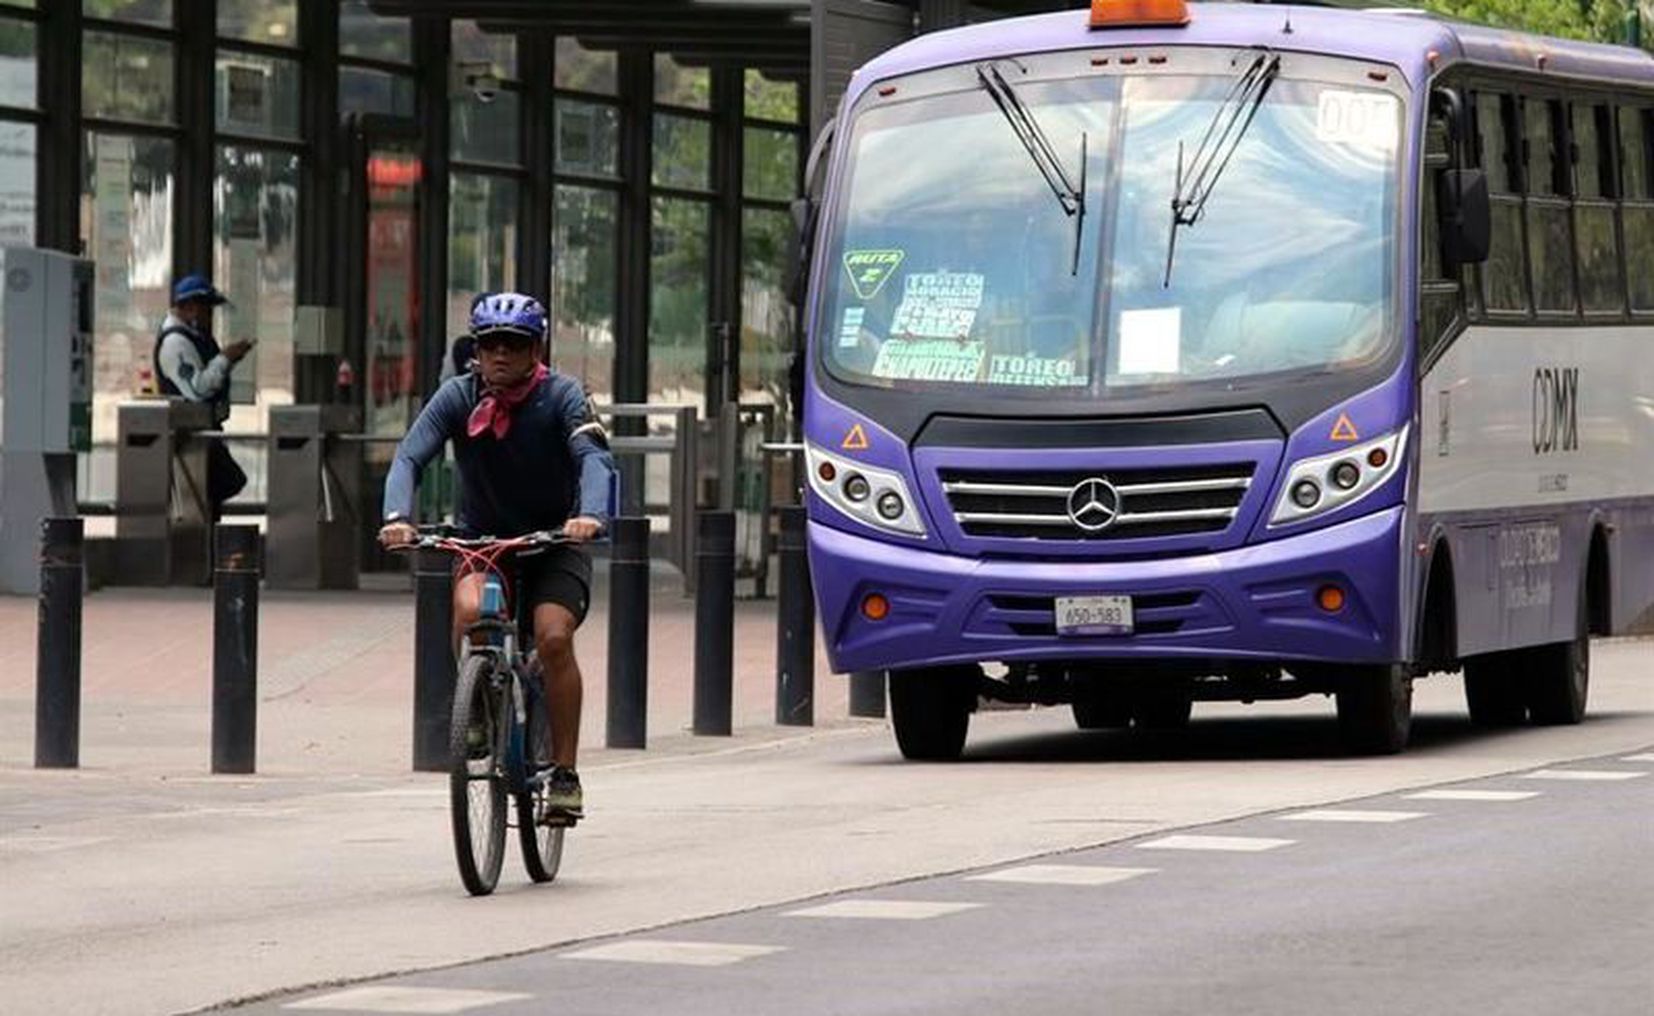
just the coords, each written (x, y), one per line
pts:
(1094, 615)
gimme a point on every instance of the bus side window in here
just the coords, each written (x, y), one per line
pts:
(1601, 289)
(1550, 225)
(1504, 277)
(1637, 190)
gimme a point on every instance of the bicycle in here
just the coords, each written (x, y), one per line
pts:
(500, 731)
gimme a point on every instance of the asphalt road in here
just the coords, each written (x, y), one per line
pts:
(1525, 893)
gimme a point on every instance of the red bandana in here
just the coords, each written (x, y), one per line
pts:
(493, 412)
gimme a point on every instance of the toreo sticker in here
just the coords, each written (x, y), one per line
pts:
(938, 305)
(870, 269)
(1033, 371)
(930, 360)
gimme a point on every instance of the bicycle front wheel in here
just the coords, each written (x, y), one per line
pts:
(476, 787)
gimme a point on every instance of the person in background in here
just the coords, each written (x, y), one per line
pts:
(189, 364)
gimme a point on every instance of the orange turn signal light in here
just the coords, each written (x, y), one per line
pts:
(1138, 13)
(1330, 599)
(875, 607)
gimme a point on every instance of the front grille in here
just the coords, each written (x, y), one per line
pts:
(1158, 501)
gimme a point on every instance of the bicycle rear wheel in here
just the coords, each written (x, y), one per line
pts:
(476, 788)
(542, 844)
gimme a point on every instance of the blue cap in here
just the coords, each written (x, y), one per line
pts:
(196, 287)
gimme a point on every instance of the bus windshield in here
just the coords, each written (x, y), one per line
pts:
(953, 268)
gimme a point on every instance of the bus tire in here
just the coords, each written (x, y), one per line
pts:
(1494, 690)
(931, 711)
(1375, 709)
(1559, 676)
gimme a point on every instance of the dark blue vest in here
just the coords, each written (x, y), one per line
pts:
(206, 348)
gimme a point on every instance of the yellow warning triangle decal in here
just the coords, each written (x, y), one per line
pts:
(1344, 430)
(855, 440)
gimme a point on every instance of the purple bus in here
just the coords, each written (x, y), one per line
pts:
(1231, 352)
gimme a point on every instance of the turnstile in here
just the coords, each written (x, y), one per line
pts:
(163, 518)
(315, 498)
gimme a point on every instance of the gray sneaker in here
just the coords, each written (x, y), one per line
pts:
(563, 796)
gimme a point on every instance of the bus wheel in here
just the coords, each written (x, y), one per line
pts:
(1559, 676)
(931, 711)
(1163, 709)
(1375, 709)
(1494, 691)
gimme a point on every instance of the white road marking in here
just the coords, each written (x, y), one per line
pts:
(1244, 844)
(1062, 874)
(1582, 774)
(1473, 795)
(883, 910)
(49, 844)
(689, 954)
(1351, 815)
(390, 998)
(1647, 756)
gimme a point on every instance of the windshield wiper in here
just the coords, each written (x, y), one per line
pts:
(1217, 146)
(1038, 146)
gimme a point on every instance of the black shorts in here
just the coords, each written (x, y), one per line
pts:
(560, 574)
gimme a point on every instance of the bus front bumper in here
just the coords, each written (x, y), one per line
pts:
(1252, 603)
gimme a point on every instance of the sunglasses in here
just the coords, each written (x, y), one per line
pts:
(504, 340)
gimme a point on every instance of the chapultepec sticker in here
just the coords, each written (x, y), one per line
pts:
(870, 269)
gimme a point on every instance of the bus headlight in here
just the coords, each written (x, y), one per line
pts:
(872, 496)
(1328, 482)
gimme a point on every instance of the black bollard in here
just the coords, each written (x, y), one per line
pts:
(715, 623)
(434, 673)
(795, 630)
(867, 693)
(628, 633)
(57, 648)
(235, 649)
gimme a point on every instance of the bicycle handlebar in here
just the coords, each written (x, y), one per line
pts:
(440, 537)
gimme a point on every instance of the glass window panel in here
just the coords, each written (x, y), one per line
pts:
(584, 70)
(487, 131)
(1550, 251)
(391, 377)
(1588, 169)
(18, 71)
(144, 12)
(1491, 126)
(583, 235)
(257, 95)
(374, 36)
(683, 152)
(770, 100)
(770, 164)
(17, 184)
(1639, 251)
(272, 22)
(1506, 272)
(1599, 258)
(767, 318)
(678, 85)
(126, 221)
(588, 137)
(127, 78)
(677, 300)
(1636, 153)
(472, 45)
(255, 215)
(362, 90)
(482, 242)
(1538, 139)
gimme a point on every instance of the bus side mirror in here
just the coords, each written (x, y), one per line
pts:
(798, 249)
(1466, 214)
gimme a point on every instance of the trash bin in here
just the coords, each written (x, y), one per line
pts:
(163, 520)
(315, 498)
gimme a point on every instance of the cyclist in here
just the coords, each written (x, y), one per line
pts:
(530, 455)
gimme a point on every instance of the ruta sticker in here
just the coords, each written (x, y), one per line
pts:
(869, 269)
(1344, 430)
(855, 440)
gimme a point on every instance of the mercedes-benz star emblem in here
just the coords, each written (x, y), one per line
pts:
(1093, 504)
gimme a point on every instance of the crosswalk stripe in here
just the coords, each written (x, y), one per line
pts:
(1062, 874)
(883, 910)
(1582, 774)
(1243, 844)
(1473, 795)
(1351, 815)
(688, 954)
(1647, 756)
(403, 999)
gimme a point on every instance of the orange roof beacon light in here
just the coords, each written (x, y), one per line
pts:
(1138, 13)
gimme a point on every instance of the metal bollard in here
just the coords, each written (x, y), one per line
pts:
(57, 649)
(867, 693)
(795, 630)
(628, 633)
(235, 649)
(715, 623)
(434, 674)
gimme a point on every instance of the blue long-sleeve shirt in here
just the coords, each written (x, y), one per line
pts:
(552, 465)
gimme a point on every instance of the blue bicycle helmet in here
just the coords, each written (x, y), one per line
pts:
(512, 313)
